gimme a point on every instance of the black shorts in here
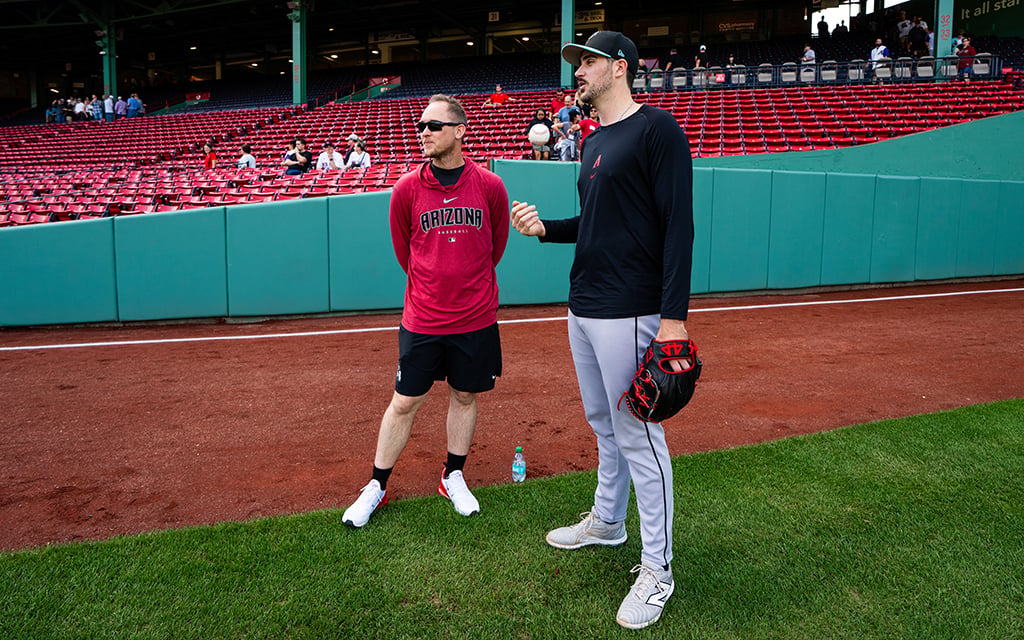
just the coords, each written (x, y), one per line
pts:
(469, 361)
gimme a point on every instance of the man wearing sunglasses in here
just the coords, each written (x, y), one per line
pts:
(449, 227)
(629, 283)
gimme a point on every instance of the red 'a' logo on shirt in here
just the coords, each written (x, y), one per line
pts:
(597, 162)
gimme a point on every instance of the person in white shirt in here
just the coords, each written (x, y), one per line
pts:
(329, 159)
(246, 160)
(880, 51)
(904, 26)
(808, 54)
(359, 157)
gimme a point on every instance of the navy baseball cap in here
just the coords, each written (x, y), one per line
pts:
(608, 44)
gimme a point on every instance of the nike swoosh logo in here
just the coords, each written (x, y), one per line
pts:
(447, 200)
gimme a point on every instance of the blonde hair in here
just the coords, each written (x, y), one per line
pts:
(455, 109)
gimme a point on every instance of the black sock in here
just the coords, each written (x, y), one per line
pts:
(454, 463)
(381, 476)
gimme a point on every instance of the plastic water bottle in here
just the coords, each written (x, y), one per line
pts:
(518, 466)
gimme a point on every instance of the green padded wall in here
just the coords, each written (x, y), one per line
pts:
(1009, 257)
(531, 272)
(848, 228)
(937, 228)
(171, 265)
(277, 258)
(703, 199)
(741, 218)
(895, 228)
(797, 222)
(978, 227)
(58, 273)
(364, 271)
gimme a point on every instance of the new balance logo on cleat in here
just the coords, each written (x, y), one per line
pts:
(659, 598)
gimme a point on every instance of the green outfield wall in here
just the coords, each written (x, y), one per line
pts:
(756, 228)
(986, 149)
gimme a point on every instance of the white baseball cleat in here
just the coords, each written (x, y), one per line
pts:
(454, 488)
(371, 498)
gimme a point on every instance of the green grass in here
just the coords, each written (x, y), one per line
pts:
(900, 529)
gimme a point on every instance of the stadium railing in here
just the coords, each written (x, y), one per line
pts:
(926, 69)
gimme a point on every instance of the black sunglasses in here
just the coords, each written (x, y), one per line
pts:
(435, 125)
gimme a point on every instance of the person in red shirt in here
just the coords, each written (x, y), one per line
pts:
(965, 65)
(588, 125)
(558, 101)
(449, 227)
(209, 157)
(498, 98)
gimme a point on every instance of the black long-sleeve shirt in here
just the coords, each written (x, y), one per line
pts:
(634, 234)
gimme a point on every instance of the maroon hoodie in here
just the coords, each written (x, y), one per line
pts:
(449, 240)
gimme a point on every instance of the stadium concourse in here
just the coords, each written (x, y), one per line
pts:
(82, 170)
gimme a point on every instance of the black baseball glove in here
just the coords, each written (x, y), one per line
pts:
(657, 392)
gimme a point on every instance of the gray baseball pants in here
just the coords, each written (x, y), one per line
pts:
(606, 353)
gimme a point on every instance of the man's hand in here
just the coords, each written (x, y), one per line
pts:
(526, 220)
(673, 330)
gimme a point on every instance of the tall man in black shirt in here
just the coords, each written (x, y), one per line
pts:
(629, 282)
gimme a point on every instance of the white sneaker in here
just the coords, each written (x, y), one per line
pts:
(454, 488)
(646, 599)
(590, 530)
(370, 499)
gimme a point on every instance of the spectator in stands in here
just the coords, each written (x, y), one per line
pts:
(568, 146)
(642, 71)
(108, 107)
(246, 160)
(564, 116)
(51, 112)
(134, 104)
(351, 142)
(954, 47)
(903, 28)
(359, 158)
(822, 29)
(209, 157)
(79, 110)
(931, 41)
(808, 57)
(584, 107)
(840, 30)
(541, 151)
(558, 101)
(120, 108)
(732, 67)
(701, 59)
(97, 107)
(587, 126)
(300, 162)
(329, 159)
(498, 98)
(673, 64)
(878, 53)
(965, 66)
(917, 40)
(289, 153)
